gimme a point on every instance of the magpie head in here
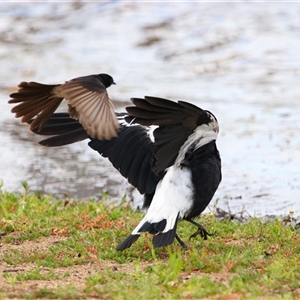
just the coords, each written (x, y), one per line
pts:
(106, 79)
(209, 119)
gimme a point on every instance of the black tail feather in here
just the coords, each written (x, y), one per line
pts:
(164, 238)
(127, 242)
(153, 228)
(160, 238)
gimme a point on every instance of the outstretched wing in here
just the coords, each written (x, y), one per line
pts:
(62, 129)
(176, 121)
(89, 103)
(130, 152)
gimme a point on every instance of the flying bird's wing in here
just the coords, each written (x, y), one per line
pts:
(176, 121)
(88, 102)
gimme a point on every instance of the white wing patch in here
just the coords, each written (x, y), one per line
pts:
(150, 132)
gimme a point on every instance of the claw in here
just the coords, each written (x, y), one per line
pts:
(200, 231)
(181, 242)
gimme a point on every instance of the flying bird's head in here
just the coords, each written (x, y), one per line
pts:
(106, 79)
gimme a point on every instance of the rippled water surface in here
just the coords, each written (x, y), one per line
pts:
(239, 60)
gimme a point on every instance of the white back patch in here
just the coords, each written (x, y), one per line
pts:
(173, 195)
(202, 135)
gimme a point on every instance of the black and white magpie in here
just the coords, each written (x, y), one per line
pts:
(166, 149)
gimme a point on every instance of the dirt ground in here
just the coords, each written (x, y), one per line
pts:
(77, 273)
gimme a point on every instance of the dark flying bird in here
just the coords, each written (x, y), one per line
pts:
(87, 99)
(166, 149)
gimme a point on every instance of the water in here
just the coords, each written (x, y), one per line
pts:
(238, 60)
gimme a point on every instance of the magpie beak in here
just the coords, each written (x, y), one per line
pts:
(166, 149)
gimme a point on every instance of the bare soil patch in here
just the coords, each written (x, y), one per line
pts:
(76, 274)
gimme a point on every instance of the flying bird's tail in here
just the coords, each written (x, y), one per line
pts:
(35, 99)
(164, 232)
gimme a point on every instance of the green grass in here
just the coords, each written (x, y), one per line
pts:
(254, 260)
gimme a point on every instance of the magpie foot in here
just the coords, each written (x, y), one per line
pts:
(181, 242)
(200, 231)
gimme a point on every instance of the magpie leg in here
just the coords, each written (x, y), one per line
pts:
(200, 231)
(181, 242)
